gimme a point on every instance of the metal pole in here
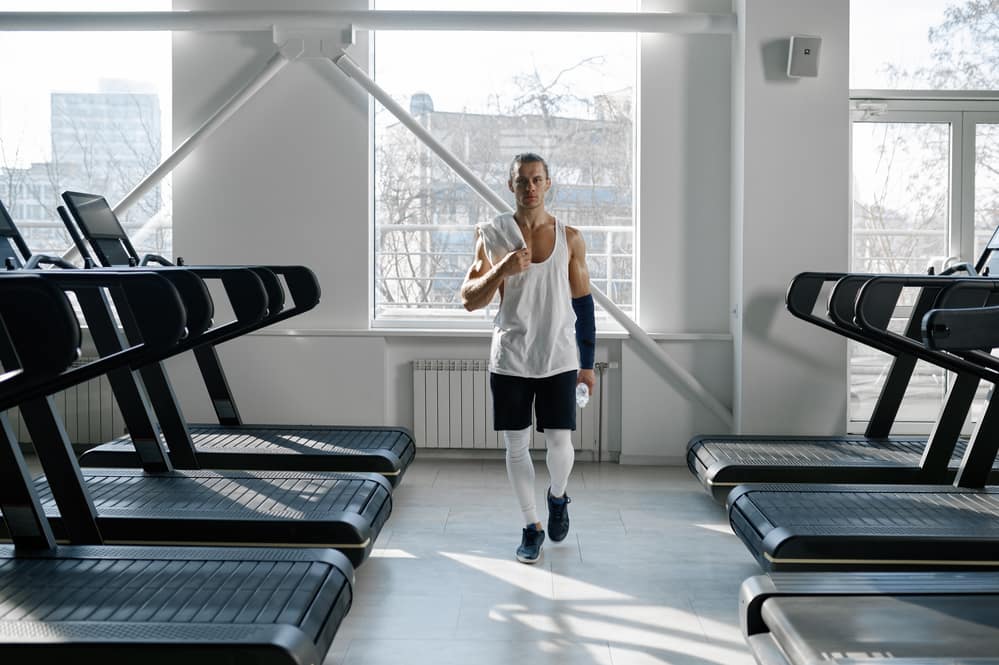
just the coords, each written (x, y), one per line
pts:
(601, 370)
(351, 69)
(275, 64)
(650, 22)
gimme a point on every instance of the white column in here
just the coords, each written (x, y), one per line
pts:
(791, 212)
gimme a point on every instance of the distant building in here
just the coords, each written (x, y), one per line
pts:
(114, 139)
(103, 143)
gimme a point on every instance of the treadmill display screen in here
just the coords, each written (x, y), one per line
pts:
(95, 216)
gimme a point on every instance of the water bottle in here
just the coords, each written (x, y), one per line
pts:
(582, 395)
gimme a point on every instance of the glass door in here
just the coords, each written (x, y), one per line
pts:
(904, 173)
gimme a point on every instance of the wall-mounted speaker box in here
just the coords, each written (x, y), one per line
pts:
(803, 56)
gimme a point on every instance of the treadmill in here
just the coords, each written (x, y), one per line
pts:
(721, 462)
(886, 527)
(931, 618)
(159, 504)
(887, 618)
(121, 605)
(233, 444)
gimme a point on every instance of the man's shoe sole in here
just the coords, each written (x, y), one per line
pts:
(530, 561)
(558, 540)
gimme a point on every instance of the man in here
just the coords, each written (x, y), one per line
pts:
(538, 265)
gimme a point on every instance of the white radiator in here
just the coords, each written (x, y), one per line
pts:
(89, 413)
(452, 408)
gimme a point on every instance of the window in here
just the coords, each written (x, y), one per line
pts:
(925, 184)
(986, 178)
(901, 224)
(85, 111)
(923, 45)
(567, 96)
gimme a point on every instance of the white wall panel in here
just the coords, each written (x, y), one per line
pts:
(657, 417)
(293, 380)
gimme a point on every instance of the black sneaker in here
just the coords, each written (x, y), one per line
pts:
(558, 517)
(530, 544)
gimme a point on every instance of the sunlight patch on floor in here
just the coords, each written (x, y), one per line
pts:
(389, 553)
(718, 528)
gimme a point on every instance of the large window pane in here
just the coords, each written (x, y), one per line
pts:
(924, 45)
(986, 211)
(85, 111)
(901, 176)
(986, 184)
(487, 97)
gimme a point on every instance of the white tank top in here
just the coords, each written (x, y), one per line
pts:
(534, 333)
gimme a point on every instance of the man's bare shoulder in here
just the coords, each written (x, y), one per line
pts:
(574, 237)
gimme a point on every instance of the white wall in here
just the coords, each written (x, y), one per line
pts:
(288, 176)
(790, 214)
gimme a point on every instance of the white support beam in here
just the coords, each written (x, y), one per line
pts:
(275, 64)
(642, 338)
(652, 22)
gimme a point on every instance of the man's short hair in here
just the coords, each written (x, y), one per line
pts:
(527, 158)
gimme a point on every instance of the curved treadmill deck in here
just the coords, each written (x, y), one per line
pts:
(723, 462)
(929, 630)
(867, 527)
(926, 618)
(381, 450)
(124, 605)
(273, 508)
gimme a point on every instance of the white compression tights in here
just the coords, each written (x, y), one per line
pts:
(520, 469)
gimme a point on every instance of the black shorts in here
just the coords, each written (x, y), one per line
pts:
(554, 399)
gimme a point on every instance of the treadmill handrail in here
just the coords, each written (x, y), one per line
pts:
(246, 293)
(802, 295)
(275, 294)
(842, 304)
(975, 328)
(249, 306)
(194, 295)
(868, 315)
(42, 331)
(153, 301)
(303, 286)
(968, 329)
(243, 287)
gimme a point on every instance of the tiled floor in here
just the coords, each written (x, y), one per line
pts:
(648, 575)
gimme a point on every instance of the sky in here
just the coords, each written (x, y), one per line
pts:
(35, 64)
(895, 31)
(882, 31)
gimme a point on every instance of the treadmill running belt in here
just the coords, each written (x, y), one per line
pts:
(803, 452)
(789, 527)
(287, 448)
(721, 463)
(275, 508)
(884, 628)
(155, 605)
